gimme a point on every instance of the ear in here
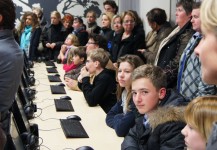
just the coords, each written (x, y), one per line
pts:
(162, 93)
(82, 59)
(97, 64)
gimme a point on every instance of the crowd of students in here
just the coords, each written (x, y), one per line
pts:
(156, 91)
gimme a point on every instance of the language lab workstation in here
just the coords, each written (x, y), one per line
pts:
(47, 115)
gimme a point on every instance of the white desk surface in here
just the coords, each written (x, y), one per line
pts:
(101, 137)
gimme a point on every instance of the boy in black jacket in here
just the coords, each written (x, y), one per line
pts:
(102, 91)
(159, 127)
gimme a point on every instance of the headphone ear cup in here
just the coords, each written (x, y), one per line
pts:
(29, 140)
(29, 111)
(31, 80)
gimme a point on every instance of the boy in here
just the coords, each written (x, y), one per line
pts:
(160, 125)
(78, 57)
(102, 91)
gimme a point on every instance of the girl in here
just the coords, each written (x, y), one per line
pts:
(29, 32)
(199, 115)
(121, 117)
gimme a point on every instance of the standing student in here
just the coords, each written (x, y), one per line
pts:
(30, 32)
(11, 65)
(110, 6)
(199, 115)
(121, 117)
(162, 120)
(102, 90)
(207, 51)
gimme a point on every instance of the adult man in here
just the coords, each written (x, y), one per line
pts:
(11, 63)
(92, 26)
(189, 82)
(110, 6)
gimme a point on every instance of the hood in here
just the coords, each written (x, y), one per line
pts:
(166, 114)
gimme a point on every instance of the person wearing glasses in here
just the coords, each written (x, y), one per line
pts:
(132, 38)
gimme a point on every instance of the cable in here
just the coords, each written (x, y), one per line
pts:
(47, 119)
(36, 116)
(68, 148)
(45, 147)
(47, 106)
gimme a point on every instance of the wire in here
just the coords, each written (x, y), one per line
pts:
(47, 106)
(47, 119)
(36, 116)
(68, 148)
(45, 147)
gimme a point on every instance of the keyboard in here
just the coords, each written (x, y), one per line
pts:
(55, 89)
(73, 128)
(63, 105)
(49, 63)
(52, 78)
(52, 70)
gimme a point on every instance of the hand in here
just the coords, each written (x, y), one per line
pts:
(63, 48)
(84, 72)
(48, 45)
(142, 50)
(79, 78)
(52, 45)
(70, 83)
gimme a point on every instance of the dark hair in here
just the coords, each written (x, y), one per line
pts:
(99, 40)
(112, 4)
(186, 4)
(79, 19)
(7, 10)
(196, 5)
(81, 52)
(157, 15)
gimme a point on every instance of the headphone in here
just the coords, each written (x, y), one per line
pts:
(31, 80)
(29, 140)
(30, 64)
(29, 110)
(30, 93)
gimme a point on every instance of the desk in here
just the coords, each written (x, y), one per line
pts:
(101, 137)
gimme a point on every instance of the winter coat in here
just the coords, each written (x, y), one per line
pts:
(164, 129)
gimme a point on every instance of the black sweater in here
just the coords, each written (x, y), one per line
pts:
(102, 91)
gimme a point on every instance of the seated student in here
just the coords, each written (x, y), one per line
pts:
(78, 56)
(199, 115)
(121, 117)
(162, 120)
(102, 90)
(70, 41)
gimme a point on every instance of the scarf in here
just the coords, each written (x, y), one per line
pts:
(25, 39)
(164, 42)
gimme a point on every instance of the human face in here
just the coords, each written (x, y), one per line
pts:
(68, 41)
(90, 18)
(128, 23)
(108, 8)
(152, 25)
(196, 20)
(77, 60)
(145, 96)
(207, 53)
(76, 24)
(54, 20)
(28, 20)
(105, 21)
(117, 25)
(67, 24)
(193, 139)
(124, 74)
(181, 17)
(91, 45)
(91, 65)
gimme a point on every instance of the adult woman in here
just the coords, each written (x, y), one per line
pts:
(53, 36)
(173, 45)
(29, 32)
(121, 117)
(199, 115)
(67, 22)
(130, 40)
(106, 24)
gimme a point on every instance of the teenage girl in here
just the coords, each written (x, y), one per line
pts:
(121, 117)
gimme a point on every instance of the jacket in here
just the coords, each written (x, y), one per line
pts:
(119, 121)
(164, 130)
(171, 52)
(34, 42)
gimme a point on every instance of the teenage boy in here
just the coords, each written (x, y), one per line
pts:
(102, 90)
(78, 56)
(161, 121)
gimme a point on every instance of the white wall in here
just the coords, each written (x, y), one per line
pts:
(143, 6)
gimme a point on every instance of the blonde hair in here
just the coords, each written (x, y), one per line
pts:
(113, 19)
(74, 39)
(208, 16)
(201, 113)
(109, 15)
(99, 55)
(57, 14)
